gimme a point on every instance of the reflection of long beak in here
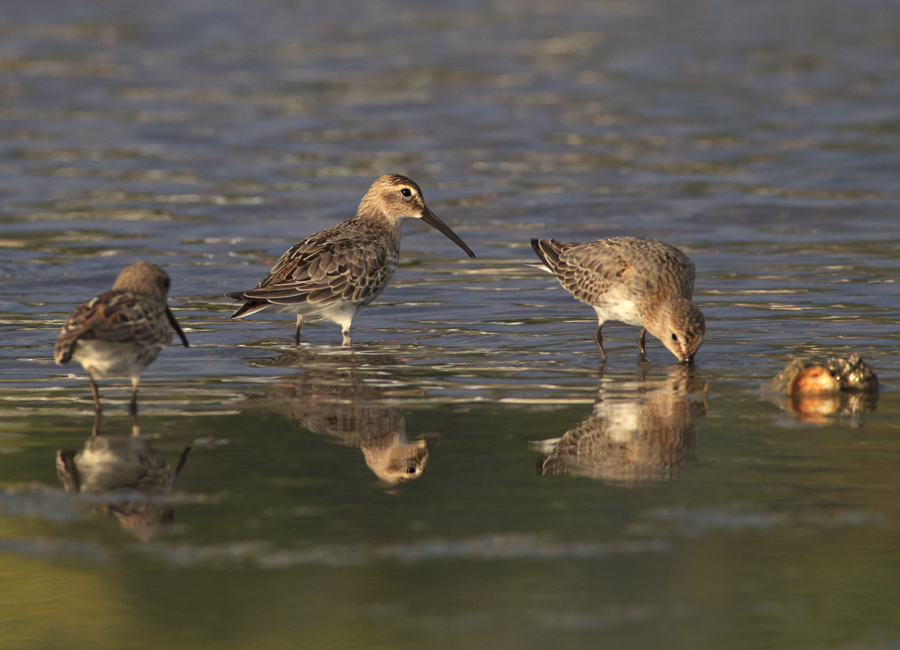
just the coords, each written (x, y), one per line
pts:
(176, 326)
(431, 219)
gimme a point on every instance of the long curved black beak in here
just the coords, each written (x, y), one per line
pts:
(431, 219)
(176, 326)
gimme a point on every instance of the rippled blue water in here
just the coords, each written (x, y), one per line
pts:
(562, 502)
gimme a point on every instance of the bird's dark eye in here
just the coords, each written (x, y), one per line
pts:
(410, 470)
(406, 192)
(674, 337)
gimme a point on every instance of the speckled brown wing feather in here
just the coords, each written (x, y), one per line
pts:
(323, 269)
(588, 271)
(591, 269)
(663, 267)
(597, 450)
(117, 317)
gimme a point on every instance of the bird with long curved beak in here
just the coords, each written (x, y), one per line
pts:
(338, 271)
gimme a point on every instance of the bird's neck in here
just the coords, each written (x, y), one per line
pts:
(377, 221)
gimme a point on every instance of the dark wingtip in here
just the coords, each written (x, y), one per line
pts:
(243, 309)
(543, 248)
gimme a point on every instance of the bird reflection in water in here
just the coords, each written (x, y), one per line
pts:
(637, 435)
(124, 477)
(343, 397)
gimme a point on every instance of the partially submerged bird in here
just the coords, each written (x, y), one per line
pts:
(121, 331)
(337, 272)
(636, 281)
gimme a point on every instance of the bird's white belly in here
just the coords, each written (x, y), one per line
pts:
(115, 463)
(107, 359)
(623, 419)
(341, 312)
(621, 308)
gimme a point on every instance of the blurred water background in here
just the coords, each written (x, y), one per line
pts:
(557, 502)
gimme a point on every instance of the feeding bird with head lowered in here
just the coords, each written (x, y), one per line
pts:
(640, 282)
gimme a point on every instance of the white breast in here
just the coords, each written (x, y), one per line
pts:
(618, 306)
(107, 359)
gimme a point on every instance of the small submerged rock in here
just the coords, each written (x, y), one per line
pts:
(842, 386)
(834, 375)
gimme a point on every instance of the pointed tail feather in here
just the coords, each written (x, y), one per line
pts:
(249, 307)
(548, 250)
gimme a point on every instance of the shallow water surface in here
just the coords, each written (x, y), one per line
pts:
(468, 474)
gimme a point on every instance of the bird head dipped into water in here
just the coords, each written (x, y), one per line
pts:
(681, 328)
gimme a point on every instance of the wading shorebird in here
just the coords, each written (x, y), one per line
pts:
(121, 331)
(636, 281)
(337, 272)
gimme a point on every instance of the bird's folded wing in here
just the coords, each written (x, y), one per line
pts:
(322, 273)
(589, 276)
(116, 317)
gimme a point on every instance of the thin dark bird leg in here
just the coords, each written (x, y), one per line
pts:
(641, 342)
(297, 331)
(598, 339)
(95, 431)
(96, 393)
(132, 406)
